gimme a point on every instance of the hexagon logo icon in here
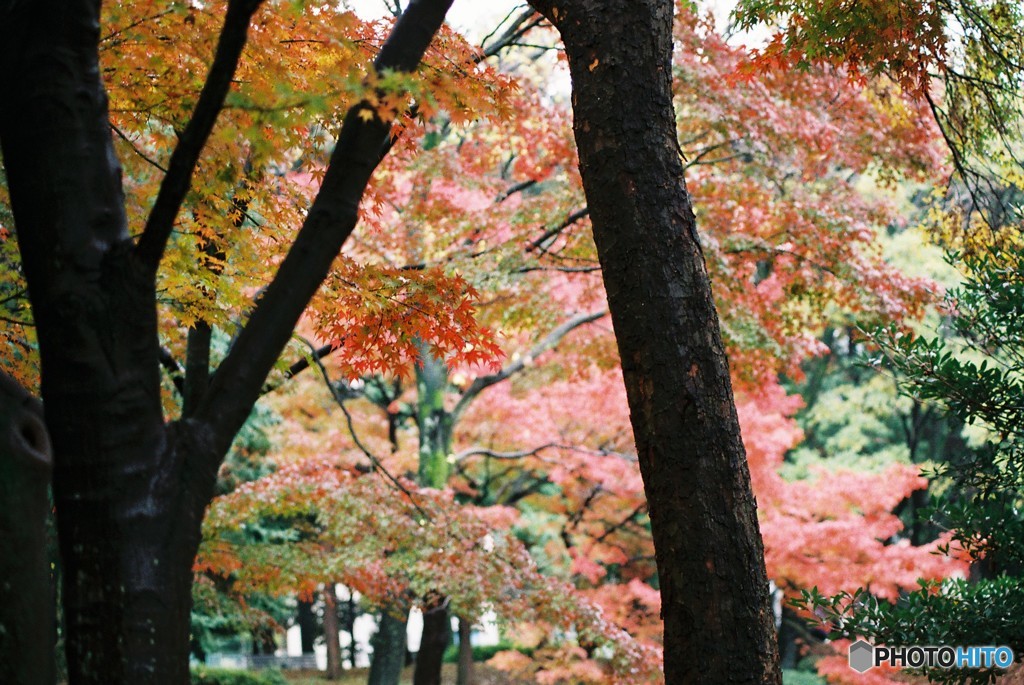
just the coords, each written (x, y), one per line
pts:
(862, 656)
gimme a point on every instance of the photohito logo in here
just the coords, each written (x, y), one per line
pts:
(865, 656)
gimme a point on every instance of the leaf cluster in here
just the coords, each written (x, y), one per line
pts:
(951, 612)
(975, 373)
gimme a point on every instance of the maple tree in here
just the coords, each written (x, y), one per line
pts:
(106, 339)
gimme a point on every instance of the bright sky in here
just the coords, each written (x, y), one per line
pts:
(472, 17)
(476, 18)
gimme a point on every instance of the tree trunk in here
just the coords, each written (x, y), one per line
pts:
(437, 633)
(306, 621)
(389, 648)
(715, 600)
(27, 631)
(350, 628)
(465, 673)
(432, 420)
(434, 423)
(332, 633)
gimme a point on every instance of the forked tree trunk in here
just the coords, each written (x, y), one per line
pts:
(130, 489)
(715, 600)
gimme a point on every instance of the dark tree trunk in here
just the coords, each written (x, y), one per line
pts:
(718, 618)
(306, 621)
(789, 649)
(437, 634)
(350, 628)
(332, 633)
(130, 490)
(27, 632)
(389, 649)
(465, 673)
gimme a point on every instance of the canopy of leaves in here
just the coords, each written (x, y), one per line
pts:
(964, 58)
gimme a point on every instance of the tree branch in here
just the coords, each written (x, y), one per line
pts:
(173, 369)
(523, 23)
(331, 219)
(505, 456)
(538, 244)
(299, 366)
(550, 341)
(375, 461)
(178, 180)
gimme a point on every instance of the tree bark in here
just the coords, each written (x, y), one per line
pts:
(332, 633)
(437, 633)
(27, 621)
(306, 620)
(389, 649)
(715, 599)
(465, 672)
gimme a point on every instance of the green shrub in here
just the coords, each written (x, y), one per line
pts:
(227, 676)
(483, 652)
(794, 677)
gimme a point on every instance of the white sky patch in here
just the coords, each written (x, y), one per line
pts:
(474, 18)
(477, 18)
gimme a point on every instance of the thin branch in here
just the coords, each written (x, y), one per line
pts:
(183, 162)
(491, 454)
(550, 341)
(512, 456)
(640, 509)
(522, 16)
(539, 243)
(527, 20)
(562, 269)
(339, 399)
(512, 190)
(173, 369)
(136, 150)
(299, 366)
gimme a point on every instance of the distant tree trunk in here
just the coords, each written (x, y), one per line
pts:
(437, 634)
(263, 640)
(719, 625)
(435, 435)
(350, 628)
(27, 632)
(789, 652)
(389, 648)
(306, 621)
(332, 632)
(465, 674)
